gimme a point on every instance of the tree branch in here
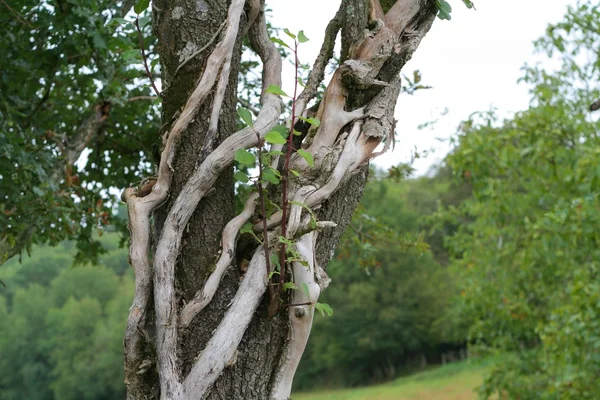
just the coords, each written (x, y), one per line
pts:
(301, 314)
(144, 59)
(222, 347)
(204, 296)
(71, 151)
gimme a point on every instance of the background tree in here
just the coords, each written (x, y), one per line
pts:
(61, 336)
(68, 85)
(391, 294)
(527, 250)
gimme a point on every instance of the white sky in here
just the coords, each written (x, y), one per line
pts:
(473, 63)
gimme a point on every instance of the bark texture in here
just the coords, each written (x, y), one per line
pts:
(359, 108)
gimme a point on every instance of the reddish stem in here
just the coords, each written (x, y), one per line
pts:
(264, 214)
(284, 177)
(141, 40)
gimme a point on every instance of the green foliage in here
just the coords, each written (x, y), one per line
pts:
(302, 38)
(244, 157)
(245, 115)
(275, 137)
(310, 160)
(274, 89)
(527, 250)
(444, 8)
(324, 308)
(141, 6)
(390, 294)
(61, 68)
(62, 329)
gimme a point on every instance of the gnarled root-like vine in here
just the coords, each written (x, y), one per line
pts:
(345, 140)
(204, 296)
(221, 348)
(301, 313)
(139, 226)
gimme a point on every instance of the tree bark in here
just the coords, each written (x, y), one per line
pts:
(162, 353)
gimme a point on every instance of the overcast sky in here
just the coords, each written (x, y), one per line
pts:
(473, 63)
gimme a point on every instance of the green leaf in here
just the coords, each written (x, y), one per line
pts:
(240, 176)
(275, 260)
(140, 6)
(245, 115)
(290, 34)
(99, 41)
(281, 129)
(305, 290)
(275, 138)
(244, 157)
(303, 39)
(283, 239)
(313, 121)
(143, 21)
(269, 176)
(444, 9)
(469, 4)
(299, 261)
(307, 156)
(294, 172)
(37, 191)
(280, 42)
(154, 63)
(324, 308)
(131, 54)
(274, 89)
(117, 22)
(289, 286)
(246, 228)
(300, 82)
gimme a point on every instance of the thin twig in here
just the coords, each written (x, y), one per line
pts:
(308, 303)
(17, 15)
(206, 46)
(286, 169)
(137, 98)
(261, 200)
(141, 39)
(246, 104)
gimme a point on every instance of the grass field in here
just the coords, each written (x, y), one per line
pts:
(451, 382)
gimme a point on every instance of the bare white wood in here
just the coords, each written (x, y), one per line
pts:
(223, 345)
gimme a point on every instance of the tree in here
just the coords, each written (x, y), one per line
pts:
(61, 336)
(68, 86)
(198, 328)
(527, 249)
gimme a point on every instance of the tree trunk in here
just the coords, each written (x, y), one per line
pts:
(234, 348)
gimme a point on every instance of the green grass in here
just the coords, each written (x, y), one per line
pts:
(451, 382)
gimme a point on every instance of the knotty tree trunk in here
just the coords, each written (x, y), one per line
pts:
(200, 325)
